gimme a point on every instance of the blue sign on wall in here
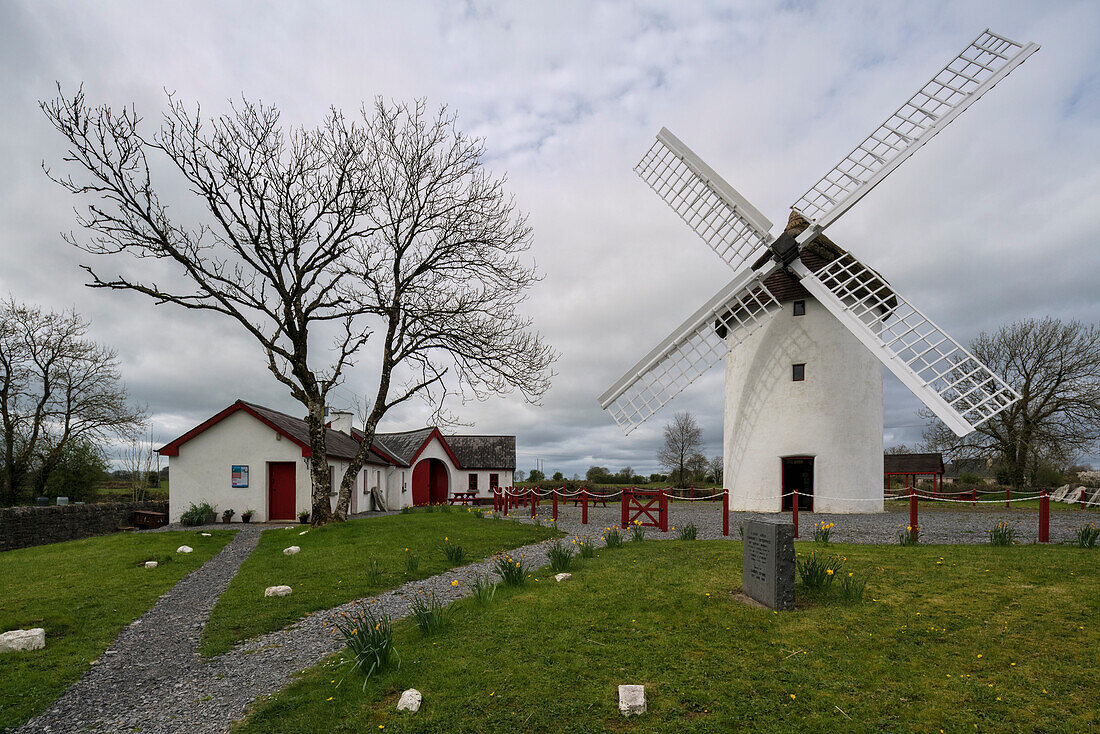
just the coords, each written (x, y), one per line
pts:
(240, 476)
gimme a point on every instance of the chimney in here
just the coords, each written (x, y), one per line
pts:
(340, 420)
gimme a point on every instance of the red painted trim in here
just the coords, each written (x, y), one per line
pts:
(172, 448)
(435, 434)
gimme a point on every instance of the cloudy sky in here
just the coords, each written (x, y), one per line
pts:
(995, 220)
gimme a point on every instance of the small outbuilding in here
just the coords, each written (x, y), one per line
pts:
(252, 457)
(912, 467)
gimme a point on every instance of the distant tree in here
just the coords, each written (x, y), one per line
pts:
(901, 449)
(79, 469)
(558, 476)
(518, 475)
(596, 474)
(535, 476)
(655, 478)
(576, 477)
(314, 242)
(56, 387)
(715, 468)
(696, 467)
(139, 460)
(1055, 366)
(625, 475)
(683, 437)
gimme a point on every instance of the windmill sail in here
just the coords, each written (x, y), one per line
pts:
(695, 346)
(716, 211)
(983, 63)
(947, 378)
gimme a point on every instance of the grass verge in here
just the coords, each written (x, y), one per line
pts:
(334, 566)
(82, 593)
(948, 637)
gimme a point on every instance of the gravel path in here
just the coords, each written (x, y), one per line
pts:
(152, 678)
(936, 526)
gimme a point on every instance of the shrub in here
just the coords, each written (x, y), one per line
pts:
(561, 557)
(444, 507)
(453, 552)
(373, 573)
(688, 532)
(406, 510)
(369, 641)
(822, 531)
(613, 538)
(637, 532)
(303, 517)
(586, 548)
(816, 571)
(483, 588)
(1086, 537)
(428, 613)
(909, 536)
(201, 514)
(1002, 534)
(852, 585)
(412, 562)
(512, 572)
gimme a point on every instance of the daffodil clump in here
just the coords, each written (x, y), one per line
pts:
(817, 572)
(369, 641)
(687, 532)
(561, 556)
(412, 562)
(1087, 536)
(428, 613)
(637, 532)
(822, 531)
(373, 573)
(513, 571)
(483, 588)
(612, 538)
(1002, 534)
(586, 548)
(909, 536)
(453, 552)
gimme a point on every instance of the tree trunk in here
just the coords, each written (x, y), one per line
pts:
(320, 512)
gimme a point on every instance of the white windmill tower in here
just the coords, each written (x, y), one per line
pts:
(804, 325)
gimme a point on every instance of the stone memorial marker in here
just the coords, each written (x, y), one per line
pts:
(410, 701)
(767, 566)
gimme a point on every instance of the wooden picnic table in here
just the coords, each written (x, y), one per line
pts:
(464, 498)
(150, 519)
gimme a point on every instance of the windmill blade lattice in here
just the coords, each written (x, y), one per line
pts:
(698, 344)
(717, 212)
(987, 60)
(958, 388)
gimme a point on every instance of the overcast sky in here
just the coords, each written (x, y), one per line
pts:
(993, 221)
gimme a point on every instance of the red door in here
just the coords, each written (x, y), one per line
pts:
(429, 482)
(421, 473)
(438, 487)
(280, 490)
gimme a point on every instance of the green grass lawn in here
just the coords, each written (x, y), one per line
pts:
(951, 638)
(82, 593)
(332, 567)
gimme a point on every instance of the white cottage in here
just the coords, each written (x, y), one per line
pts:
(252, 457)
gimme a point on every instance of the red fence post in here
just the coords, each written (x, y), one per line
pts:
(1082, 498)
(725, 512)
(1044, 517)
(663, 504)
(913, 512)
(623, 505)
(974, 496)
(584, 506)
(554, 492)
(1008, 496)
(794, 512)
(693, 493)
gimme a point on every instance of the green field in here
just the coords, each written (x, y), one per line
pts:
(83, 593)
(951, 638)
(332, 567)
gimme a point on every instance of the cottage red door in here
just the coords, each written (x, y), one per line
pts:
(280, 490)
(421, 477)
(438, 487)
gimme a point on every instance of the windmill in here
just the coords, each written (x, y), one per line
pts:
(803, 402)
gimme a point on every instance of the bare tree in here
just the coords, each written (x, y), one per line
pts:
(139, 460)
(56, 387)
(390, 225)
(696, 466)
(1055, 366)
(717, 467)
(900, 449)
(683, 438)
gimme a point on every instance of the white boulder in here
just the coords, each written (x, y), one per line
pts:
(410, 701)
(205, 535)
(631, 700)
(563, 577)
(151, 564)
(184, 549)
(32, 639)
(277, 591)
(303, 532)
(291, 550)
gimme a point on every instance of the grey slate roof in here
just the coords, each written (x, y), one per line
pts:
(338, 445)
(484, 452)
(404, 445)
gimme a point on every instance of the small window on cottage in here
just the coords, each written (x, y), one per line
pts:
(799, 308)
(798, 372)
(494, 481)
(473, 482)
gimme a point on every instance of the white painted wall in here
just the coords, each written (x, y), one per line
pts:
(834, 415)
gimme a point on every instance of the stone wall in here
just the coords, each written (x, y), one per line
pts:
(21, 527)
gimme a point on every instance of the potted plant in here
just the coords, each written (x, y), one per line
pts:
(227, 516)
(303, 516)
(246, 516)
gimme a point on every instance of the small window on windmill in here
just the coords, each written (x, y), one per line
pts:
(798, 372)
(799, 308)
(331, 488)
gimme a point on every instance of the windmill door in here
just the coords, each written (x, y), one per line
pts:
(280, 490)
(798, 477)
